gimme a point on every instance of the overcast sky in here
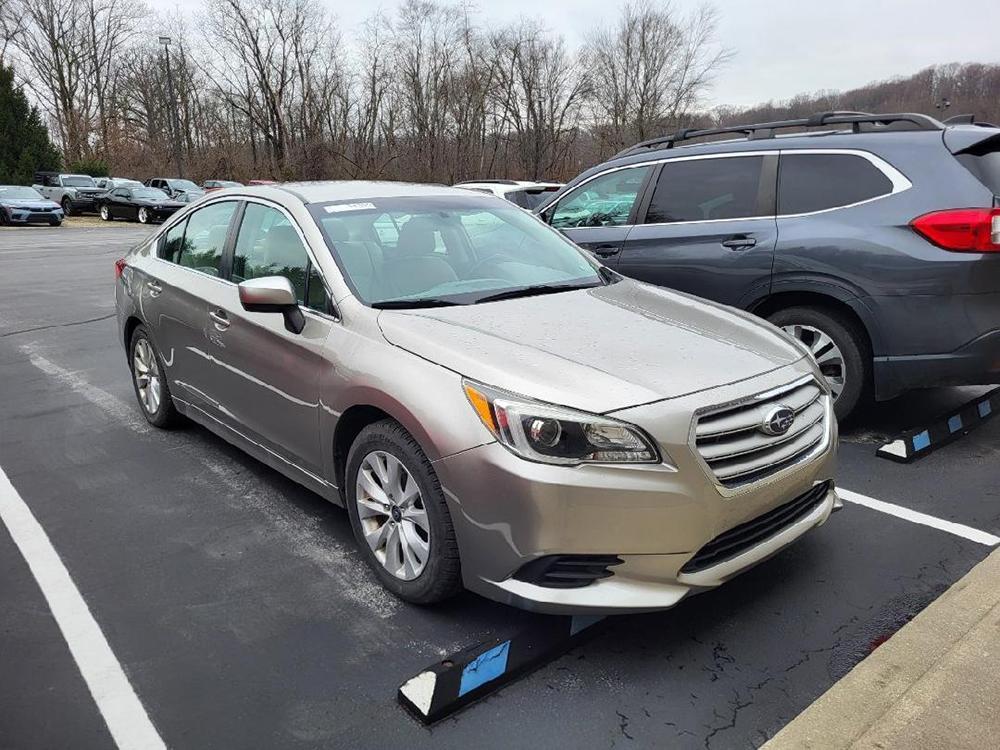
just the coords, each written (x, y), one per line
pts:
(782, 47)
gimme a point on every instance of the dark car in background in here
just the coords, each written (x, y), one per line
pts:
(25, 205)
(142, 204)
(179, 189)
(877, 246)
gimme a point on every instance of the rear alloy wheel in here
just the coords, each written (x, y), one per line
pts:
(150, 382)
(106, 213)
(399, 515)
(839, 348)
(67, 207)
(144, 215)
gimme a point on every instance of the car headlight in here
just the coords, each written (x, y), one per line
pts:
(556, 435)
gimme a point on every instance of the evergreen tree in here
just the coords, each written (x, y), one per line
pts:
(25, 146)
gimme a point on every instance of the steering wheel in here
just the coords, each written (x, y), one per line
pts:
(495, 258)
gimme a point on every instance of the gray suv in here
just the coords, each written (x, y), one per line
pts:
(877, 244)
(494, 408)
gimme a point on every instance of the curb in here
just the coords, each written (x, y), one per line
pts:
(931, 685)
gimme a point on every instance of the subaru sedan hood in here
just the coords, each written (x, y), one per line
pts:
(598, 349)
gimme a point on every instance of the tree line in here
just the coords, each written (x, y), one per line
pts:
(269, 89)
(431, 92)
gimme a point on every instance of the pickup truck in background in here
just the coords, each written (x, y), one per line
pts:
(74, 192)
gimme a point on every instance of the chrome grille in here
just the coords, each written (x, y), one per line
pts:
(735, 446)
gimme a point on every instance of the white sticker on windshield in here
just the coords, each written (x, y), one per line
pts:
(337, 208)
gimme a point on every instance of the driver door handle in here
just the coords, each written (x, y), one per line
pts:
(219, 318)
(606, 251)
(739, 243)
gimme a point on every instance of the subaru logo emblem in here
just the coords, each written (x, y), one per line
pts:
(778, 420)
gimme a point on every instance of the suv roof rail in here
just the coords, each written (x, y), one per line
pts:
(766, 129)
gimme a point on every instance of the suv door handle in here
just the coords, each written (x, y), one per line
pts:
(154, 288)
(606, 251)
(739, 243)
(219, 318)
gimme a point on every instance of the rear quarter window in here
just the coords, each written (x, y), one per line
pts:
(984, 162)
(816, 182)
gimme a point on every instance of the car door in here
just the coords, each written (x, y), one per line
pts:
(264, 379)
(175, 293)
(707, 227)
(119, 203)
(598, 214)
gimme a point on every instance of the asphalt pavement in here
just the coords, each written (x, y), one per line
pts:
(242, 616)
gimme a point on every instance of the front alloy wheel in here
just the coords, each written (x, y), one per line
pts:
(143, 215)
(392, 515)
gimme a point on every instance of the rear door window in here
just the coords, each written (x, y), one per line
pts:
(815, 182)
(706, 190)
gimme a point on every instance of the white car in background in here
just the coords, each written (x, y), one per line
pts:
(528, 195)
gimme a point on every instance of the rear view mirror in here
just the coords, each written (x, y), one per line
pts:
(273, 294)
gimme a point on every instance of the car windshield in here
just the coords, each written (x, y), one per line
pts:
(126, 183)
(154, 194)
(420, 251)
(17, 193)
(78, 180)
(184, 185)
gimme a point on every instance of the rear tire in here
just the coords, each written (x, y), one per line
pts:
(106, 213)
(825, 331)
(149, 380)
(440, 576)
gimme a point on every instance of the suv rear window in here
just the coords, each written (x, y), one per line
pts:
(706, 190)
(814, 182)
(983, 160)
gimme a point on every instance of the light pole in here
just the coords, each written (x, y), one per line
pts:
(172, 104)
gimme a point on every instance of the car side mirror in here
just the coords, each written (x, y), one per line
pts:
(273, 294)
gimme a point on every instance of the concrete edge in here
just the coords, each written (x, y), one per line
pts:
(863, 699)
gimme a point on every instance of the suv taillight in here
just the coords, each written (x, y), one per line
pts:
(963, 230)
(120, 265)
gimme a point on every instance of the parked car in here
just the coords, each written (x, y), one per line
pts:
(355, 337)
(142, 204)
(209, 185)
(525, 194)
(262, 182)
(75, 193)
(25, 205)
(877, 247)
(110, 183)
(181, 190)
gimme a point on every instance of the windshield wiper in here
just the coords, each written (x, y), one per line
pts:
(412, 304)
(533, 290)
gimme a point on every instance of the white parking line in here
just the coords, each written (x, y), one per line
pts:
(966, 532)
(127, 720)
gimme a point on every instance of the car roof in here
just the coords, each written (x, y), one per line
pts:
(506, 185)
(338, 190)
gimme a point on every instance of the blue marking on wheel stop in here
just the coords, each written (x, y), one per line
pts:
(955, 423)
(921, 440)
(487, 666)
(582, 622)
(985, 409)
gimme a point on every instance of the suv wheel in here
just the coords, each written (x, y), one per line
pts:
(150, 381)
(399, 515)
(839, 348)
(67, 207)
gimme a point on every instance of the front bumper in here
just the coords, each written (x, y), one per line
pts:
(508, 512)
(29, 216)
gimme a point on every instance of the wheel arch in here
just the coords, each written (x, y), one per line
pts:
(847, 306)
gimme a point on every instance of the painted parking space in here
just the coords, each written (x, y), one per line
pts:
(242, 616)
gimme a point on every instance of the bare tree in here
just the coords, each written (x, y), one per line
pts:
(649, 69)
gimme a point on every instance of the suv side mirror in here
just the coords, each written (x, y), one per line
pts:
(273, 294)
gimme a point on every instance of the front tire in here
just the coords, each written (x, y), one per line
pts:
(400, 517)
(67, 207)
(144, 215)
(840, 348)
(149, 381)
